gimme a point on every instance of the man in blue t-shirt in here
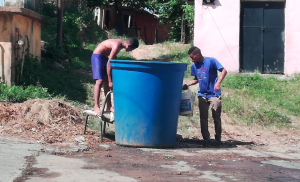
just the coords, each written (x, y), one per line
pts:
(205, 72)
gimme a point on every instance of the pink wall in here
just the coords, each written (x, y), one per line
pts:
(217, 29)
(292, 37)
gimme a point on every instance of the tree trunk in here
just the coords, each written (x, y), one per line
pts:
(183, 38)
(59, 23)
(120, 25)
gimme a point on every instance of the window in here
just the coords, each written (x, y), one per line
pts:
(1, 2)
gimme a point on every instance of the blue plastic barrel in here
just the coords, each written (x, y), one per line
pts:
(147, 97)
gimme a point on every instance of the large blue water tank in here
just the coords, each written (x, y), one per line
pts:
(147, 97)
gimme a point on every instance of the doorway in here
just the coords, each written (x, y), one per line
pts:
(262, 37)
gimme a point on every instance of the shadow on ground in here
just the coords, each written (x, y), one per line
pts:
(196, 143)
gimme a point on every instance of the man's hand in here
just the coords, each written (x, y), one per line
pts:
(217, 87)
(185, 87)
(110, 84)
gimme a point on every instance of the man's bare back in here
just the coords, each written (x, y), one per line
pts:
(109, 48)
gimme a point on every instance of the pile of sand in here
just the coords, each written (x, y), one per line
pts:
(44, 121)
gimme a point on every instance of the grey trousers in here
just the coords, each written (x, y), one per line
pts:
(216, 108)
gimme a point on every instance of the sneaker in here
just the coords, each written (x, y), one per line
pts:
(216, 143)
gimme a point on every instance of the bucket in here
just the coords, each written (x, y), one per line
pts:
(187, 104)
(147, 98)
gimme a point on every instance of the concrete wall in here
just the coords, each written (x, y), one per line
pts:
(5, 27)
(217, 30)
(29, 4)
(5, 54)
(18, 3)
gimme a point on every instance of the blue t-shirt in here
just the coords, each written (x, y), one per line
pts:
(207, 74)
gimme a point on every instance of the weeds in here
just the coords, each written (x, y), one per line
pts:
(62, 83)
(21, 94)
(263, 100)
(283, 94)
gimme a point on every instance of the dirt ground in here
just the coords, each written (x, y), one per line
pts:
(51, 122)
(55, 121)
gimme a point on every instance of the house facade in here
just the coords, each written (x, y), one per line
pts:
(140, 24)
(250, 35)
(20, 34)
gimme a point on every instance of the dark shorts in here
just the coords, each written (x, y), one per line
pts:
(99, 63)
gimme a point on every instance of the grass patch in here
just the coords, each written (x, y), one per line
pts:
(282, 94)
(187, 123)
(241, 109)
(123, 55)
(263, 100)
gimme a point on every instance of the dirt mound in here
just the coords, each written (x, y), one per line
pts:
(44, 121)
(156, 51)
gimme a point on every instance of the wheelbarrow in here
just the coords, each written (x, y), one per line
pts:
(105, 117)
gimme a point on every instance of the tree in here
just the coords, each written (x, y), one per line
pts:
(119, 4)
(59, 23)
(171, 12)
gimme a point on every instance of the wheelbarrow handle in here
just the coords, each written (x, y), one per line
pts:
(104, 103)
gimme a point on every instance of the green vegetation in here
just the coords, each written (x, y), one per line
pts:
(64, 72)
(264, 100)
(81, 35)
(252, 99)
(170, 12)
(21, 94)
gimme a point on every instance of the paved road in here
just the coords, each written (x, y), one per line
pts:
(12, 158)
(110, 162)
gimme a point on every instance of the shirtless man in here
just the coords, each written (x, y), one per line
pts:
(104, 52)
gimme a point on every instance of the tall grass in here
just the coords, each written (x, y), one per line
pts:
(264, 100)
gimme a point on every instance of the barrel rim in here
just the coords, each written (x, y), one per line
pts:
(139, 61)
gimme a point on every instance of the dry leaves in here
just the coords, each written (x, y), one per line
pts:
(45, 121)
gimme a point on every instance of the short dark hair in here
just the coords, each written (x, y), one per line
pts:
(194, 50)
(134, 43)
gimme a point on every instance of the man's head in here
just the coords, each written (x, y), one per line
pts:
(195, 54)
(131, 44)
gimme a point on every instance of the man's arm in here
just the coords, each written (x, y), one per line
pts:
(193, 82)
(113, 55)
(218, 83)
